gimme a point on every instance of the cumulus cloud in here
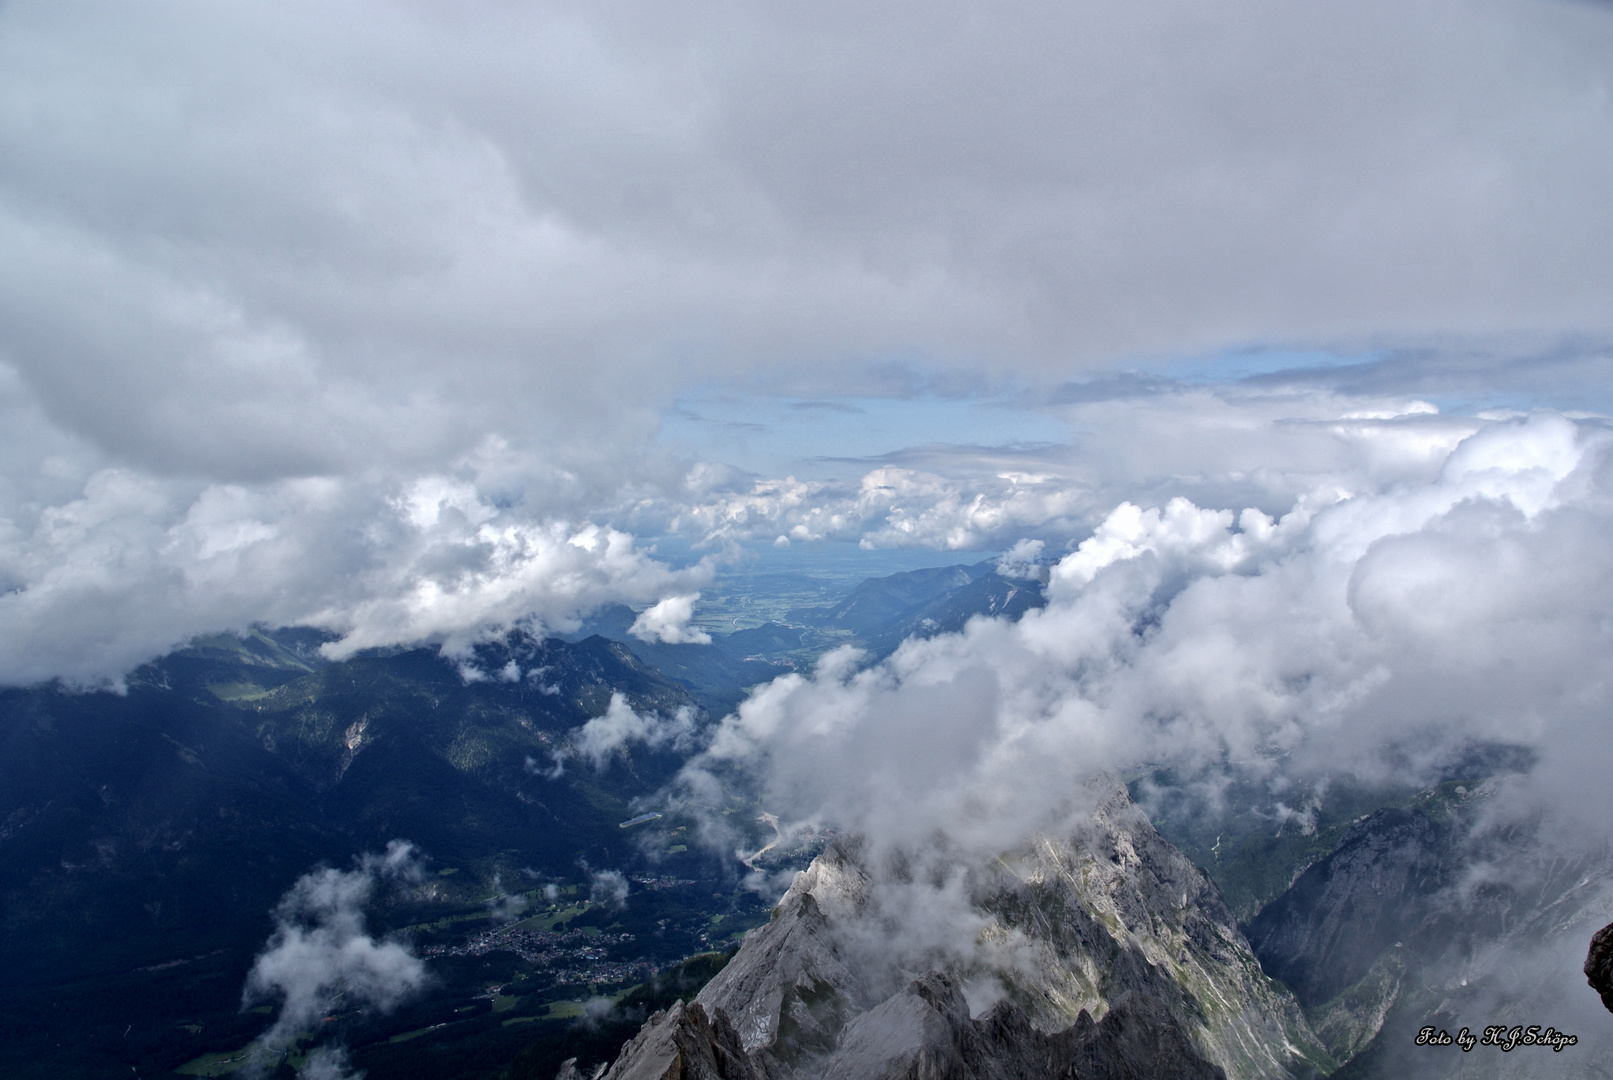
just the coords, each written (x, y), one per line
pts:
(1374, 629)
(608, 887)
(125, 566)
(1263, 446)
(372, 241)
(667, 621)
(368, 323)
(321, 953)
(620, 726)
(1023, 560)
(1449, 591)
(890, 506)
(133, 566)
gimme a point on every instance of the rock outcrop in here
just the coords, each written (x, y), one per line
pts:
(926, 1032)
(793, 984)
(684, 1043)
(1599, 965)
(1114, 908)
(1448, 920)
(1112, 956)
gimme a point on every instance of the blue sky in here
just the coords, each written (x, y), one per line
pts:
(838, 437)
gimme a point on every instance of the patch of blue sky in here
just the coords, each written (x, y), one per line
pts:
(1455, 379)
(836, 437)
(1238, 365)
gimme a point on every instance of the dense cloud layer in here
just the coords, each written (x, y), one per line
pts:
(126, 566)
(1379, 629)
(366, 321)
(259, 242)
(135, 566)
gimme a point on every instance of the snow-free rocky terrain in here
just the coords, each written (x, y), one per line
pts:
(1129, 965)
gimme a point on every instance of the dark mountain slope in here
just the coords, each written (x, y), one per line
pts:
(145, 837)
(139, 828)
(1372, 894)
(990, 595)
(1431, 916)
(768, 641)
(877, 602)
(717, 675)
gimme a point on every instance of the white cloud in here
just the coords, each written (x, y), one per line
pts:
(321, 951)
(505, 906)
(608, 887)
(667, 621)
(1023, 560)
(365, 242)
(620, 726)
(367, 322)
(1267, 447)
(135, 566)
(1379, 631)
(328, 1063)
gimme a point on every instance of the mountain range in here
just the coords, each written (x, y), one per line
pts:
(149, 836)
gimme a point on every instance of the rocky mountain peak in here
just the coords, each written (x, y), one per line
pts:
(1102, 952)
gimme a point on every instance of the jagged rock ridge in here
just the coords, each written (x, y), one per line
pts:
(1442, 919)
(1126, 963)
(925, 1033)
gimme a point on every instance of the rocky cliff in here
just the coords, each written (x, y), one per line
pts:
(1447, 919)
(1116, 959)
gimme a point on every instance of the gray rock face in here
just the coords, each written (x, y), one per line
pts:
(1113, 954)
(569, 1071)
(792, 985)
(1114, 909)
(1413, 921)
(1326, 932)
(1599, 965)
(683, 1043)
(926, 1032)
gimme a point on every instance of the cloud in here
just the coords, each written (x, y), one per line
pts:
(369, 323)
(1379, 629)
(1435, 596)
(134, 566)
(619, 726)
(328, 1063)
(126, 566)
(890, 507)
(667, 621)
(1265, 447)
(608, 887)
(1023, 560)
(321, 953)
(505, 906)
(368, 242)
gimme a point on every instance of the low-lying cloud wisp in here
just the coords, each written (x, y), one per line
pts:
(321, 953)
(620, 725)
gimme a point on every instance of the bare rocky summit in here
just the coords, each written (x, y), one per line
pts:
(1125, 963)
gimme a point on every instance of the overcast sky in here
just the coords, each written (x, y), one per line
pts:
(414, 319)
